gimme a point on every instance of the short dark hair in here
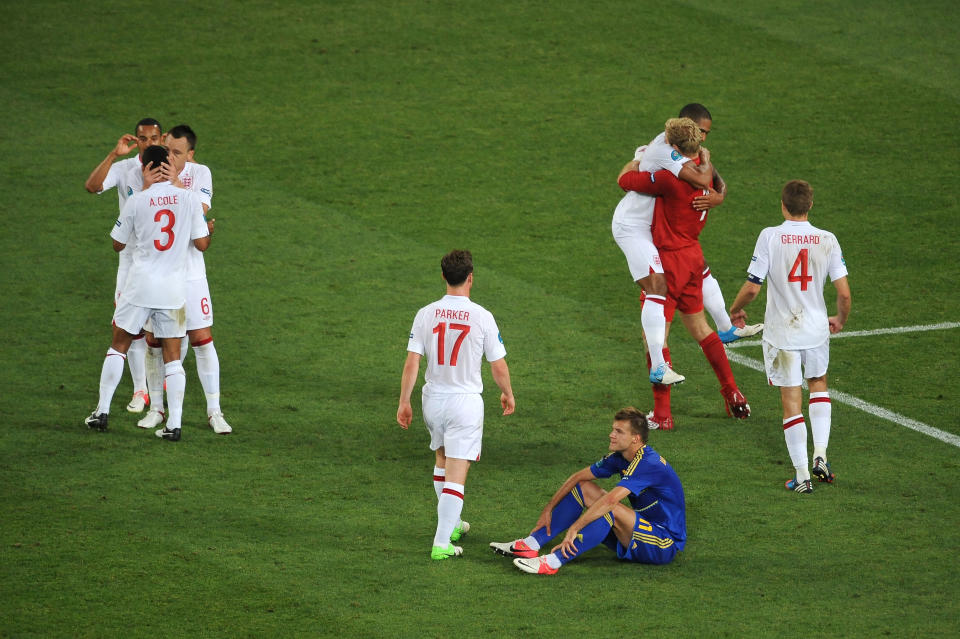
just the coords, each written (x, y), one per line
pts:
(637, 420)
(456, 266)
(696, 112)
(797, 197)
(154, 155)
(184, 131)
(147, 122)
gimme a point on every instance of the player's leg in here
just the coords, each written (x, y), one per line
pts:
(646, 543)
(439, 479)
(783, 370)
(815, 362)
(154, 365)
(567, 510)
(662, 418)
(170, 327)
(136, 360)
(110, 374)
(716, 307)
(200, 336)
(716, 354)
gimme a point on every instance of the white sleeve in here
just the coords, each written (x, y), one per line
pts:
(113, 176)
(660, 155)
(415, 343)
(760, 262)
(198, 225)
(838, 267)
(123, 227)
(493, 348)
(203, 184)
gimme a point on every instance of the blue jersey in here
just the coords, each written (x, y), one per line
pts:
(655, 490)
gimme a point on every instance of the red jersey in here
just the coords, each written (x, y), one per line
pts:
(676, 224)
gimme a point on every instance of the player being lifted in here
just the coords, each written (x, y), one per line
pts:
(182, 171)
(127, 176)
(676, 231)
(631, 228)
(158, 223)
(454, 334)
(795, 258)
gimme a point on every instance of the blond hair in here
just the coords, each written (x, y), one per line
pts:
(684, 134)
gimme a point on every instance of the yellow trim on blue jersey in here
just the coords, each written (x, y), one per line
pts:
(633, 464)
(653, 540)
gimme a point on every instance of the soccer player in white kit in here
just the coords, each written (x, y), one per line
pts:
(796, 258)
(631, 224)
(126, 176)
(184, 172)
(454, 334)
(159, 222)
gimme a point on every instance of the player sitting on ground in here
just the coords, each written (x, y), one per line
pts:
(652, 530)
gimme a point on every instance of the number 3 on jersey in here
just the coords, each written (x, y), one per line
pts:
(441, 331)
(166, 228)
(798, 273)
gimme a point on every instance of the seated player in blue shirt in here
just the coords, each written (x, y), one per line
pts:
(652, 530)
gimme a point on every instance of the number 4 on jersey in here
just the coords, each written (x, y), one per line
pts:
(800, 265)
(441, 330)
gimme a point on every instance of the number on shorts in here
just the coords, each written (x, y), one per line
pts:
(167, 228)
(205, 306)
(441, 330)
(800, 265)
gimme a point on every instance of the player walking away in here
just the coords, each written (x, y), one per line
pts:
(454, 334)
(127, 176)
(652, 530)
(183, 172)
(159, 223)
(795, 259)
(676, 231)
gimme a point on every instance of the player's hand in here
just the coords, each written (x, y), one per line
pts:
(210, 225)
(404, 414)
(125, 144)
(835, 324)
(709, 201)
(704, 155)
(152, 176)
(169, 173)
(739, 319)
(509, 403)
(543, 521)
(567, 549)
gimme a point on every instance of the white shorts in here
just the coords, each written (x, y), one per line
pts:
(166, 322)
(783, 366)
(636, 242)
(455, 421)
(199, 305)
(122, 271)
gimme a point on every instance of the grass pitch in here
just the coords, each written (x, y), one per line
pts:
(352, 144)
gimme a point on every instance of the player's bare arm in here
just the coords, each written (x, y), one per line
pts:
(125, 145)
(838, 321)
(716, 196)
(411, 370)
(700, 176)
(501, 375)
(632, 165)
(584, 474)
(748, 293)
(597, 509)
(202, 243)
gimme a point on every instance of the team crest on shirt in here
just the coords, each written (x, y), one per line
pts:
(187, 181)
(675, 155)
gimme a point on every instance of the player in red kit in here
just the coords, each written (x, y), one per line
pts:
(676, 232)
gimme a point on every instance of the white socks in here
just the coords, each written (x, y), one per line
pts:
(439, 477)
(713, 302)
(449, 507)
(795, 434)
(820, 411)
(208, 369)
(109, 378)
(154, 365)
(176, 381)
(654, 327)
(136, 356)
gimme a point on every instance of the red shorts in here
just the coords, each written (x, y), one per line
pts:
(683, 269)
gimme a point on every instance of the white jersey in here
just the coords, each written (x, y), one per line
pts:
(196, 177)
(127, 176)
(455, 334)
(160, 223)
(636, 209)
(795, 259)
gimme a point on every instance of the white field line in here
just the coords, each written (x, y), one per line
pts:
(856, 402)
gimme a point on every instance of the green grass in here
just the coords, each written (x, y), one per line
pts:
(352, 144)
